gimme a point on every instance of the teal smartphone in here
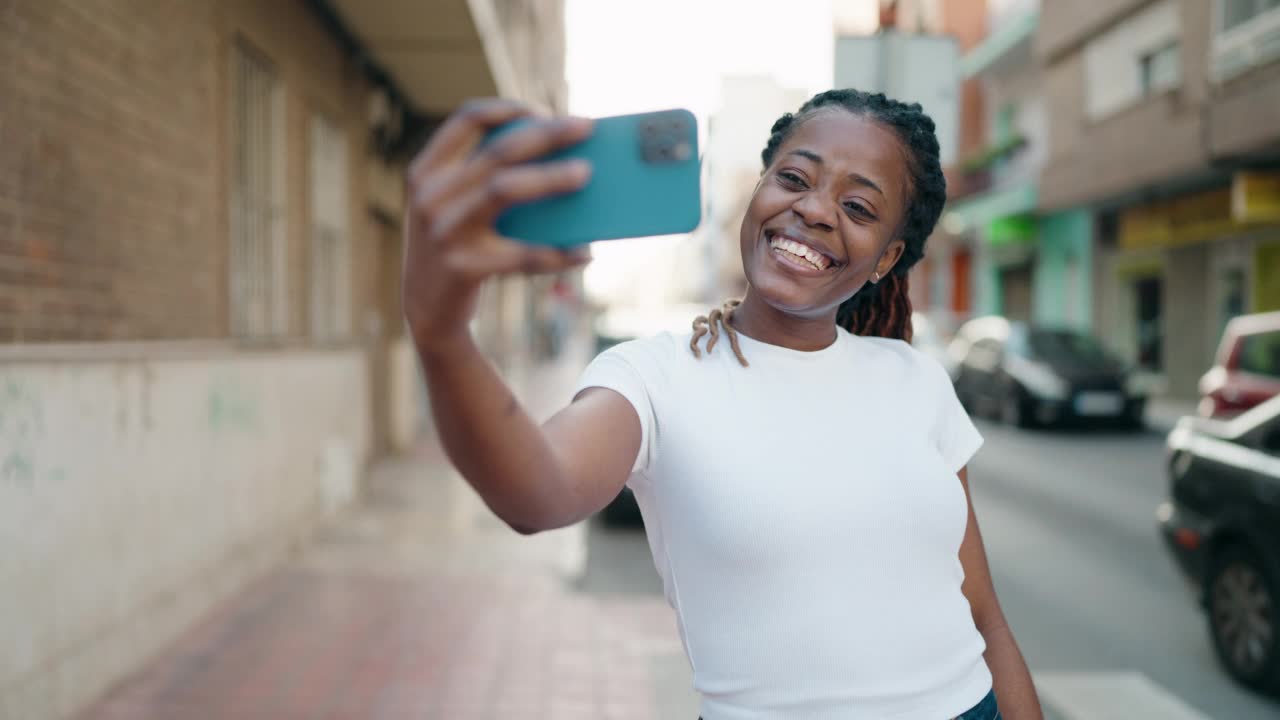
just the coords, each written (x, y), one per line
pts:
(645, 180)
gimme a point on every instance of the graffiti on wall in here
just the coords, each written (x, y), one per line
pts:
(21, 429)
(230, 404)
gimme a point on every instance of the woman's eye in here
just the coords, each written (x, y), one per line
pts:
(859, 210)
(791, 178)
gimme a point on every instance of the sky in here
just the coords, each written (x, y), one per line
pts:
(624, 56)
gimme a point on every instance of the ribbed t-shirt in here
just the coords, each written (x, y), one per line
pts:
(805, 517)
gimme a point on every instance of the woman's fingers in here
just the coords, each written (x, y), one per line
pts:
(463, 131)
(531, 142)
(501, 256)
(504, 188)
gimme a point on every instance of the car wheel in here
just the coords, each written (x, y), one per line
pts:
(1242, 608)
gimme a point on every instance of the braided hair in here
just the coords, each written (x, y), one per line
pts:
(881, 308)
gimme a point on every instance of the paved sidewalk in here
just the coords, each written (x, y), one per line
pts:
(417, 603)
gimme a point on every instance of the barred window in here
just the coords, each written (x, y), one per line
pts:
(257, 254)
(330, 235)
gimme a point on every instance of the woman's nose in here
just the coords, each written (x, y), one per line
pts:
(815, 211)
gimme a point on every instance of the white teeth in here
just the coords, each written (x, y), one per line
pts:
(804, 252)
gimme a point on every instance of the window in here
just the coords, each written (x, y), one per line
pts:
(330, 236)
(1260, 354)
(1235, 13)
(257, 252)
(1248, 35)
(1133, 59)
(1159, 70)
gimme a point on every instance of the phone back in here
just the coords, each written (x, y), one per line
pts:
(645, 181)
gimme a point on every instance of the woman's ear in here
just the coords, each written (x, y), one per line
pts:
(892, 253)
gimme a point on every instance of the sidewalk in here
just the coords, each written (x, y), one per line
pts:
(417, 603)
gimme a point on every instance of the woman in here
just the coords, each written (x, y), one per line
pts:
(803, 485)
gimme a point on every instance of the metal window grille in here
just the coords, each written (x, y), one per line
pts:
(330, 232)
(257, 259)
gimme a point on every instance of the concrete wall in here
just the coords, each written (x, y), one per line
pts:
(140, 485)
(1173, 135)
(1065, 25)
(1245, 114)
(1141, 143)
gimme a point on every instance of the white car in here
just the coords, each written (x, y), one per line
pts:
(927, 339)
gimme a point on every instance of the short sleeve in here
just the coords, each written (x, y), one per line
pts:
(954, 433)
(624, 369)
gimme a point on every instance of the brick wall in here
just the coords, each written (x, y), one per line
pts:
(109, 171)
(113, 165)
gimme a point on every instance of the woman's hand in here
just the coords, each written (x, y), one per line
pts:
(456, 192)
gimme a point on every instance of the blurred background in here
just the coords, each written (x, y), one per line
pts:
(220, 490)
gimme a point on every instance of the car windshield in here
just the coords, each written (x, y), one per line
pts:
(1260, 354)
(1065, 346)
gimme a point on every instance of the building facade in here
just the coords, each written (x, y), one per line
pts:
(1166, 132)
(200, 242)
(945, 282)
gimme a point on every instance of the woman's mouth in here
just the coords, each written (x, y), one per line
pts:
(798, 253)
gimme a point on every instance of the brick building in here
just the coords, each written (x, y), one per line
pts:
(200, 329)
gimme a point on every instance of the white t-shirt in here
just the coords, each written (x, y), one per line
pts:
(806, 519)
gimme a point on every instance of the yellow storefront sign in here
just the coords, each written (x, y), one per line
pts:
(1255, 197)
(1252, 199)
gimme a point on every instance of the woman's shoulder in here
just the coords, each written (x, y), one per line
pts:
(901, 353)
(661, 343)
(651, 352)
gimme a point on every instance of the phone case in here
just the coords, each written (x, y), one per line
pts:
(645, 180)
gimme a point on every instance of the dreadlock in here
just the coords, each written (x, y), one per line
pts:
(880, 309)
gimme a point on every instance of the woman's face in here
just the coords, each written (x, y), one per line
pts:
(825, 215)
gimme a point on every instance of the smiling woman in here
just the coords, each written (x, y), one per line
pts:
(837, 205)
(809, 516)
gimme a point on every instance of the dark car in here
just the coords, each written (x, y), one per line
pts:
(1028, 375)
(1222, 524)
(1246, 370)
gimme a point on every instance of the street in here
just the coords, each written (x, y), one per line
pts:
(1107, 624)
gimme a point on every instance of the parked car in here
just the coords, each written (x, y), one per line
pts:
(1222, 525)
(1028, 375)
(1246, 370)
(928, 339)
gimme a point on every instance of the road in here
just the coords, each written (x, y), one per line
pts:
(1108, 626)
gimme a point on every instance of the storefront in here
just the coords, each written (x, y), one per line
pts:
(1178, 269)
(998, 264)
